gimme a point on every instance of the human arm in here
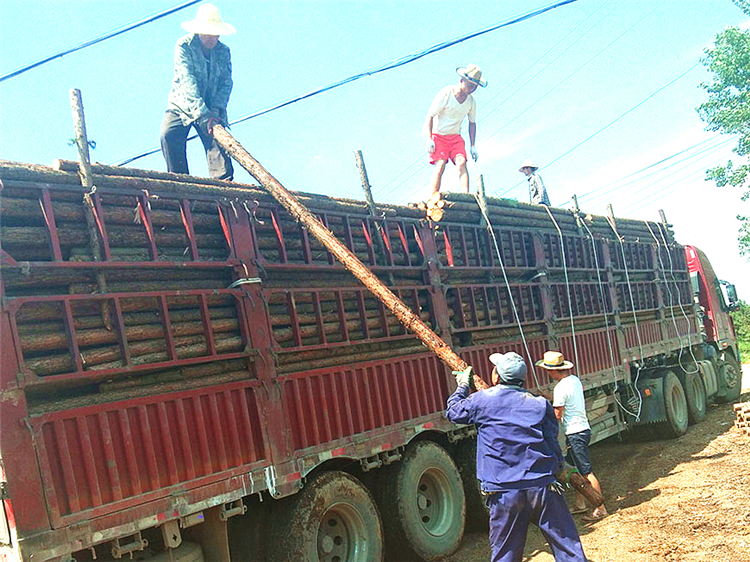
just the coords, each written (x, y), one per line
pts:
(550, 430)
(559, 411)
(186, 94)
(430, 143)
(472, 140)
(459, 408)
(224, 84)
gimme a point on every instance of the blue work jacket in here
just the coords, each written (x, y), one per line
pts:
(517, 445)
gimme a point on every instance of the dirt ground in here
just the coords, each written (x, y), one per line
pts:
(681, 500)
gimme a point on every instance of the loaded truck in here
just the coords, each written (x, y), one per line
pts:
(186, 374)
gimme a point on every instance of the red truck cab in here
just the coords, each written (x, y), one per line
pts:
(715, 297)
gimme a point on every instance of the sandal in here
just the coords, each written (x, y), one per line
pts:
(591, 518)
(577, 510)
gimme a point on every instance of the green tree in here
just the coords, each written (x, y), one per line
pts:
(741, 318)
(728, 109)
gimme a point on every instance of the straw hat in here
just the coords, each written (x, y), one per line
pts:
(472, 73)
(528, 163)
(208, 22)
(554, 361)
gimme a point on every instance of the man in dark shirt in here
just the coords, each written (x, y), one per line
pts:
(518, 456)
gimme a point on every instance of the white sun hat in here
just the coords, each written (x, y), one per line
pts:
(528, 163)
(208, 22)
(472, 73)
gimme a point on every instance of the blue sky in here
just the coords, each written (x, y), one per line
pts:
(596, 92)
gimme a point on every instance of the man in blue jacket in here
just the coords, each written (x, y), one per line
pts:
(518, 456)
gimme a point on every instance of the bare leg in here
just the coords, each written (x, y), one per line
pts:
(463, 173)
(437, 175)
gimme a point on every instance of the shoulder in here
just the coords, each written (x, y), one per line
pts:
(222, 48)
(186, 40)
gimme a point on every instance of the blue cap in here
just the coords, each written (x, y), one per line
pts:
(511, 368)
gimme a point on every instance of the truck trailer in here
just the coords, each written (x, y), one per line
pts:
(186, 374)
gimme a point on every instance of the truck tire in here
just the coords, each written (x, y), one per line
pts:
(332, 519)
(421, 499)
(730, 380)
(675, 406)
(477, 513)
(695, 394)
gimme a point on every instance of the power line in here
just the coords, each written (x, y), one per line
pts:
(630, 195)
(99, 39)
(709, 149)
(615, 120)
(540, 98)
(586, 195)
(662, 193)
(493, 98)
(388, 66)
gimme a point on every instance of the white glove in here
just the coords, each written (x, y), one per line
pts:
(430, 146)
(474, 153)
(462, 377)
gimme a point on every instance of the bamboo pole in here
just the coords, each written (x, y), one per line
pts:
(410, 320)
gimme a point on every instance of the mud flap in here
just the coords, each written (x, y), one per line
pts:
(652, 407)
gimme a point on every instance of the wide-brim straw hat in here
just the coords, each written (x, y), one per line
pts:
(208, 22)
(472, 73)
(528, 163)
(554, 361)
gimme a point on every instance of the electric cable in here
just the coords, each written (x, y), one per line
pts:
(663, 160)
(635, 181)
(99, 39)
(608, 125)
(388, 66)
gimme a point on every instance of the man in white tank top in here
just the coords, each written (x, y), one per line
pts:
(570, 410)
(443, 126)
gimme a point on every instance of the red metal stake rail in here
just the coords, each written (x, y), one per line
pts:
(405, 315)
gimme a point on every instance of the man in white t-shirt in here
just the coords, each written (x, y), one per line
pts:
(570, 410)
(443, 126)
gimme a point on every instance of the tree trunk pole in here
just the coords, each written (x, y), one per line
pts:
(87, 180)
(410, 320)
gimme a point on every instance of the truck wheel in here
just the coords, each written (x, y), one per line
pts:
(477, 513)
(695, 393)
(421, 499)
(730, 380)
(675, 405)
(332, 519)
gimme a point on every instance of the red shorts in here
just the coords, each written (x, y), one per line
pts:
(447, 147)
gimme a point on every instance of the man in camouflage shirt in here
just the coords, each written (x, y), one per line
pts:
(201, 86)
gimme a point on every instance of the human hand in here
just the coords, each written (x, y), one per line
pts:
(474, 153)
(462, 377)
(210, 124)
(430, 146)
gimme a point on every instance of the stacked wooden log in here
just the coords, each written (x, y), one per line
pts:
(434, 207)
(742, 410)
(317, 312)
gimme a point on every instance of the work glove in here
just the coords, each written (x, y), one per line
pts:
(430, 146)
(474, 153)
(463, 377)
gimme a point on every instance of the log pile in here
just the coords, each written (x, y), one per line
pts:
(319, 315)
(742, 410)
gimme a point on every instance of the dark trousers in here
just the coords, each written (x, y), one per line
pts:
(174, 148)
(511, 511)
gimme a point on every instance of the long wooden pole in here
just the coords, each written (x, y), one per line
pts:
(410, 320)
